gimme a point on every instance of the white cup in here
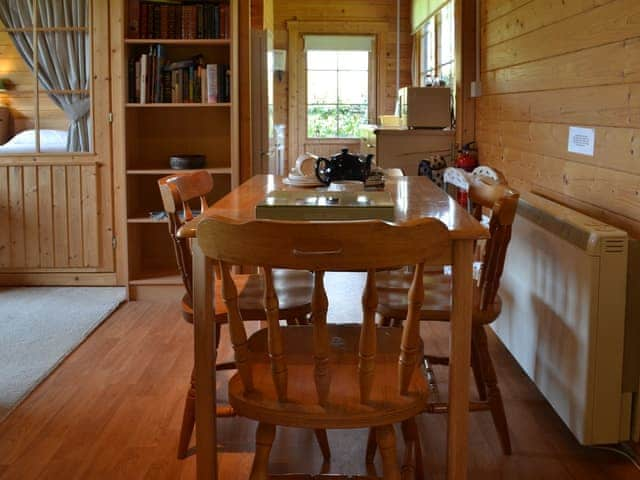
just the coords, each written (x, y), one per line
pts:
(346, 186)
(306, 166)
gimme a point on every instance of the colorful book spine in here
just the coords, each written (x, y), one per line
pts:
(212, 83)
(133, 30)
(162, 19)
(143, 77)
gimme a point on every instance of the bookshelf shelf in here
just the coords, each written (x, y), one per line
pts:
(152, 132)
(158, 277)
(168, 171)
(145, 220)
(211, 42)
(178, 105)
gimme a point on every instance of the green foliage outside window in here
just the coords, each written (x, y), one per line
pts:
(335, 121)
(337, 93)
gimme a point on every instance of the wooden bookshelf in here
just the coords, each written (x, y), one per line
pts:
(178, 105)
(168, 171)
(150, 133)
(178, 41)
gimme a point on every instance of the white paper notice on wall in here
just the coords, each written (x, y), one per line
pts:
(582, 140)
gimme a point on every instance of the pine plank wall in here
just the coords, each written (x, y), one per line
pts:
(550, 64)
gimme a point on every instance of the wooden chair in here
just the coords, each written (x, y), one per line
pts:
(457, 180)
(294, 287)
(327, 376)
(392, 287)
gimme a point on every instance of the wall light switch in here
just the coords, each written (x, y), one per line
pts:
(582, 140)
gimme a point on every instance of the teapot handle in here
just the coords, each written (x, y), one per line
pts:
(321, 167)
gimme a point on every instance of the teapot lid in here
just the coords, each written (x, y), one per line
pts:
(344, 152)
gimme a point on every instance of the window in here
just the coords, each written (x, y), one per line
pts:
(46, 74)
(338, 84)
(437, 46)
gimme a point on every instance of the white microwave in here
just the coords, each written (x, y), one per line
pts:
(424, 107)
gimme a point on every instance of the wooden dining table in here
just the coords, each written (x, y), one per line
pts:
(414, 198)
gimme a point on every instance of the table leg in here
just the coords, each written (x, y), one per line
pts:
(205, 360)
(459, 360)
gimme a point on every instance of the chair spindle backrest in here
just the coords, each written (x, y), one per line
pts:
(177, 191)
(319, 247)
(503, 203)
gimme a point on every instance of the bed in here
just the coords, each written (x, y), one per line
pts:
(51, 141)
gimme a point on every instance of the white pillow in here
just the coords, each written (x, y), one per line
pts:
(47, 137)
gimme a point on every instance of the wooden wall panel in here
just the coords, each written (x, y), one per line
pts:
(549, 65)
(613, 22)
(45, 212)
(5, 219)
(32, 216)
(532, 16)
(360, 11)
(494, 9)
(16, 213)
(49, 217)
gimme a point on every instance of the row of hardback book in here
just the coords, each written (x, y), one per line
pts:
(154, 79)
(176, 19)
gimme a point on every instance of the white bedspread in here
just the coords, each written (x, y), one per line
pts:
(51, 141)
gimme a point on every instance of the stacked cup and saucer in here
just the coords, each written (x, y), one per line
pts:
(304, 173)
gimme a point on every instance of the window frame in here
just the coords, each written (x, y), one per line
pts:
(297, 140)
(371, 95)
(38, 91)
(435, 19)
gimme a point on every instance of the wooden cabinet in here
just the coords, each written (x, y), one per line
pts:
(147, 134)
(404, 148)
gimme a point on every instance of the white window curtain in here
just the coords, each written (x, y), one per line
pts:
(64, 57)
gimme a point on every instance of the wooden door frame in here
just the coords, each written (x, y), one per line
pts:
(297, 87)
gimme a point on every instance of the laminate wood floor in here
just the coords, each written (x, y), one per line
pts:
(113, 410)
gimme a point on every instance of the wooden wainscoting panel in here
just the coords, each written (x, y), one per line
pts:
(5, 237)
(74, 200)
(50, 216)
(31, 218)
(45, 213)
(90, 235)
(60, 218)
(16, 212)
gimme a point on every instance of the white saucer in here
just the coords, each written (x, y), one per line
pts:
(302, 181)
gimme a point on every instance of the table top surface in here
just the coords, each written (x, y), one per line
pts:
(414, 198)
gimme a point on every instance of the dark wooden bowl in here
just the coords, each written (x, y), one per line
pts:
(186, 162)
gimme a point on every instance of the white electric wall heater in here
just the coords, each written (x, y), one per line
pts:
(564, 316)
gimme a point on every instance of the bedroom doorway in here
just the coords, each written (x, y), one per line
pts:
(56, 214)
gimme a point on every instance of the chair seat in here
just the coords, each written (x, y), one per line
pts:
(343, 409)
(392, 287)
(292, 286)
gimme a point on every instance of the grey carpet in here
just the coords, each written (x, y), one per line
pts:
(39, 327)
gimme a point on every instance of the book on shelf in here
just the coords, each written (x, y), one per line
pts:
(314, 205)
(173, 19)
(154, 79)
